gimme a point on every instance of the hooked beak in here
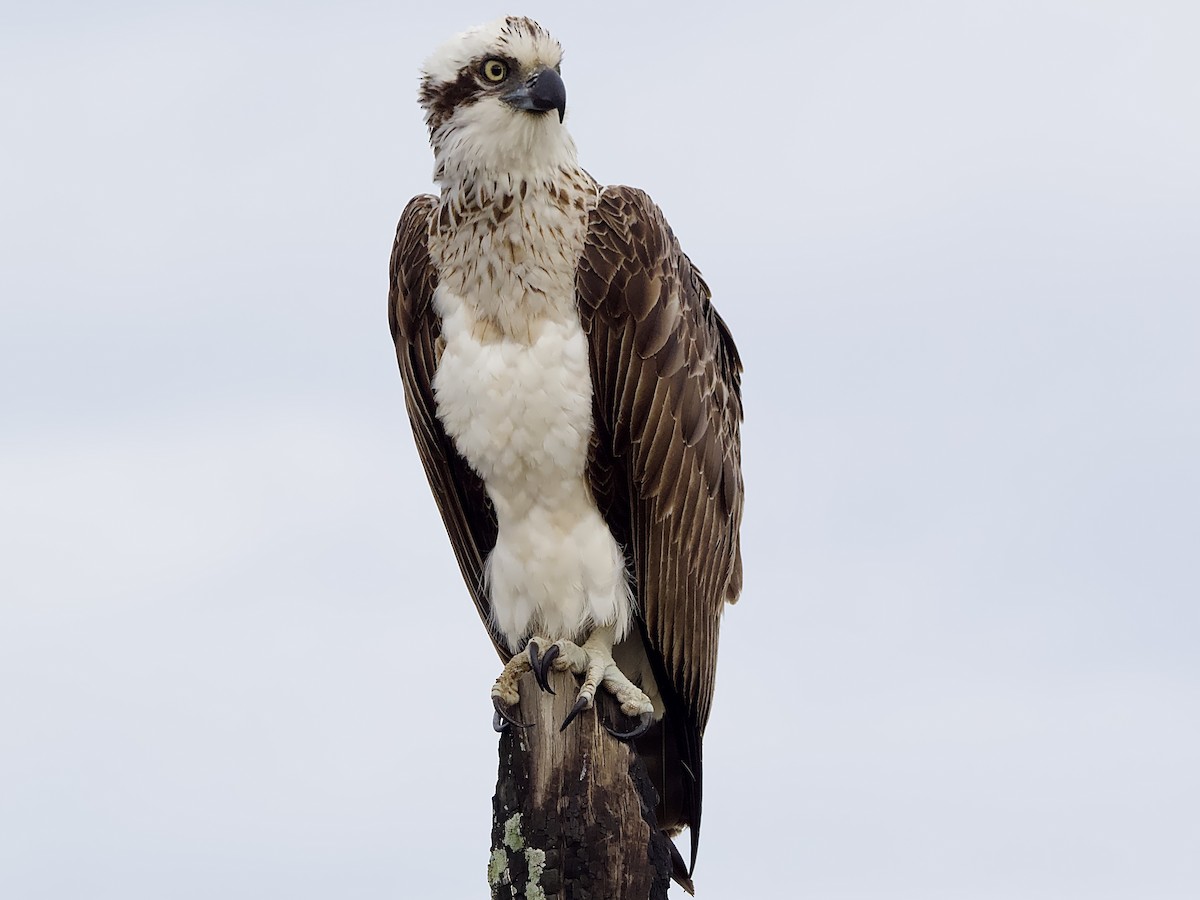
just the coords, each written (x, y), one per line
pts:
(541, 93)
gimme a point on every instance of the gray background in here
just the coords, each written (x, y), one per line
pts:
(958, 246)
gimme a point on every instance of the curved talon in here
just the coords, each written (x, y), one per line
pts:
(499, 725)
(581, 703)
(643, 725)
(502, 713)
(535, 661)
(541, 664)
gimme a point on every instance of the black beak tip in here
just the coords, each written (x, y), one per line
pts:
(548, 92)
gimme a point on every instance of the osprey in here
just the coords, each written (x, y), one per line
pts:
(576, 402)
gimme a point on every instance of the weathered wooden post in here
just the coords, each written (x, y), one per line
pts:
(573, 814)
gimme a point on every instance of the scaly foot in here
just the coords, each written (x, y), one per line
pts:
(593, 660)
(505, 692)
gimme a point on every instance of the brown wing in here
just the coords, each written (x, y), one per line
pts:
(666, 463)
(416, 330)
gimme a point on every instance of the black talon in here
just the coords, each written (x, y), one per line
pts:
(502, 713)
(643, 725)
(580, 705)
(534, 661)
(498, 724)
(541, 665)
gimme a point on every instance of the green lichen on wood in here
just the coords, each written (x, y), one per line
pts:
(512, 833)
(537, 864)
(497, 869)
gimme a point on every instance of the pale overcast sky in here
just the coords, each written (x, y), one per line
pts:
(959, 247)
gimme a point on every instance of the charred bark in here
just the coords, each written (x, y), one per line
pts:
(573, 814)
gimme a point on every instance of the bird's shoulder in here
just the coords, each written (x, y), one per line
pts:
(412, 273)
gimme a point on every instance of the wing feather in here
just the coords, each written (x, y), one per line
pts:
(416, 330)
(666, 461)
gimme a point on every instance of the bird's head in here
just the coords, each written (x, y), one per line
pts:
(494, 100)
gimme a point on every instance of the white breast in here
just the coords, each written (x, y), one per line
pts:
(520, 412)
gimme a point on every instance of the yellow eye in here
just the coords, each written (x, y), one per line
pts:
(494, 70)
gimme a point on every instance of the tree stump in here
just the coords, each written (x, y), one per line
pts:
(573, 814)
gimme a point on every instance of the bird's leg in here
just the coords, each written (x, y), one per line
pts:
(505, 692)
(594, 661)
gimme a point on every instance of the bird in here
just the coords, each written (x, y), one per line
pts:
(576, 404)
